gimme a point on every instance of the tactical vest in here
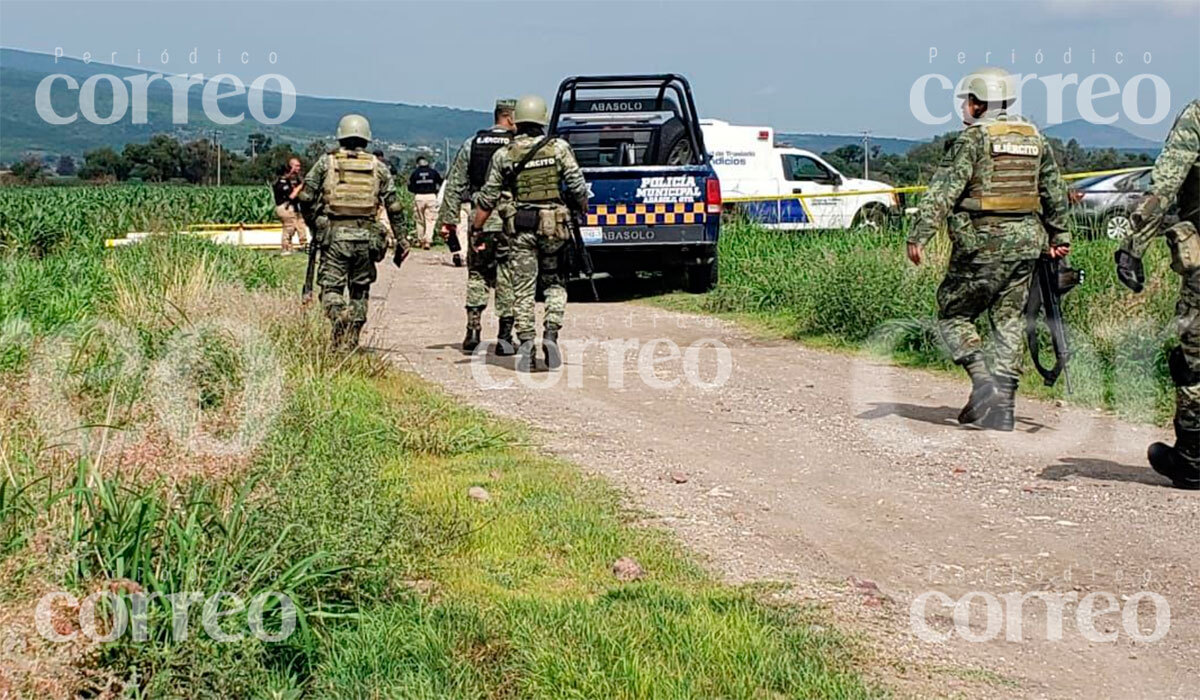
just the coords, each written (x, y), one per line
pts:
(1006, 180)
(351, 187)
(485, 143)
(1189, 191)
(538, 182)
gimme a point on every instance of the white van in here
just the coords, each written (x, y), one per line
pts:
(750, 165)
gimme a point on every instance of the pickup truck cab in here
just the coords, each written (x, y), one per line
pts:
(655, 203)
(761, 178)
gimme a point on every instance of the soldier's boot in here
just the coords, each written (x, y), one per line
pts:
(353, 334)
(525, 355)
(504, 338)
(1001, 414)
(550, 346)
(1181, 463)
(983, 389)
(337, 335)
(458, 261)
(471, 341)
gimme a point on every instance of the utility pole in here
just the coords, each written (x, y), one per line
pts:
(866, 155)
(218, 136)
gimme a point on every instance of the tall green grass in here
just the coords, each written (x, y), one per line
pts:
(355, 506)
(857, 289)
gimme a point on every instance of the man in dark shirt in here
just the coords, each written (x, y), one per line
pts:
(424, 183)
(286, 189)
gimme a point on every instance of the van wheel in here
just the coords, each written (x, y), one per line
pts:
(701, 278)
(873, 216)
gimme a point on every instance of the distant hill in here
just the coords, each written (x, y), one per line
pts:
(1087, 134)
(1101, 136)
(23, 130)
(822, 143)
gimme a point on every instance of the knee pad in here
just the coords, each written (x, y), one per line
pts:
(1181, 373)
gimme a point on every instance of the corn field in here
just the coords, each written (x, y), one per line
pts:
(40, 220)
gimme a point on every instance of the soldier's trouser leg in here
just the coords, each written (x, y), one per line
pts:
(1007, 339)
(553, 280)
(1181, 462)
(1184, 362)
(346, 274)
(481, 272)
(969, 290)
(331, 278)
(522, 272)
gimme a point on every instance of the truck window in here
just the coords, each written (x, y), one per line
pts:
(798, 168)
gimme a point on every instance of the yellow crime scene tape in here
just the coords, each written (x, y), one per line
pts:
(605, 214)
(904, 190)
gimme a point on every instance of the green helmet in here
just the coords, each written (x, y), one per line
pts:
(354, 125)
(531, 109)
(988, 84)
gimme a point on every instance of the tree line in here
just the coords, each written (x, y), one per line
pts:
(917, 165)
(165, 159)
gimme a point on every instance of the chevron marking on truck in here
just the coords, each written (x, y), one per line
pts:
(634, 214)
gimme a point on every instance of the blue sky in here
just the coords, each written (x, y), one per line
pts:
(837, 67)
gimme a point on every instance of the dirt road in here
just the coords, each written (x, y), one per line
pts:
(848, 479)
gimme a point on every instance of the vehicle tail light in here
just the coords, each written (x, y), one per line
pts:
(712, 195)
(1075, 196)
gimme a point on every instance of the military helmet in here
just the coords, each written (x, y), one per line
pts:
(354, 125)
(988, 84)
(531, 109)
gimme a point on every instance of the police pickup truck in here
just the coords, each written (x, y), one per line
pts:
(781, 187)
(655, 202)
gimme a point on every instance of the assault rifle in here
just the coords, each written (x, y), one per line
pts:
(1052, 279)
(581, 254)
(308, 213)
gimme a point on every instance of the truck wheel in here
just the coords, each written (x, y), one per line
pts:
(872, 215)
(701, 278)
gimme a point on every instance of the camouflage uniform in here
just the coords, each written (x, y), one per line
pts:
(1176, 179)
(535, 249)
(481, 264)
(351, 243)
(994, 253)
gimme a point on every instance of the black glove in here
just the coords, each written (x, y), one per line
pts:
(1130, 270)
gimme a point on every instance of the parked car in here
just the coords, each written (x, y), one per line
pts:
(1102, 205)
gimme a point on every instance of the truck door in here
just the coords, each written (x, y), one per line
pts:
(804, 174)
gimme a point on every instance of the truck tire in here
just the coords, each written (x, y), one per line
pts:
(701, 278)
(872, 215)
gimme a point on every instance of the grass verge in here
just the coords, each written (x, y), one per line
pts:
(855, 290)
(199, 437)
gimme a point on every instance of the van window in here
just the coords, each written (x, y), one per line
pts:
(802, 168)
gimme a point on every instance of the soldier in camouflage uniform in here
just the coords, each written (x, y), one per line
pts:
(1176, 179)
(541, 176)
(344, 190)
(1000, 191)
(466, 177)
